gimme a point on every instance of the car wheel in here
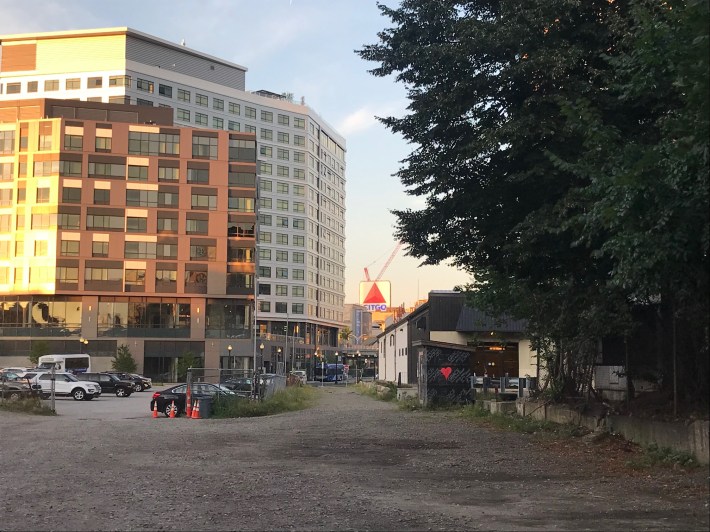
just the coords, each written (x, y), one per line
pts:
(78, 394)
(139, 387)
(168, 406)
(15, 396)
(121, 392)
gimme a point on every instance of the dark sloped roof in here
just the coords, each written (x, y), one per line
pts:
(473, 320)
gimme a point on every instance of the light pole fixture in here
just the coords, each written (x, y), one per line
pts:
(335, 377)
(357, 367)
(261, 352)
(278, 358)
(82, 342)
(229, 356)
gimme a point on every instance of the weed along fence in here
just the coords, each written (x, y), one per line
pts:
(239, 381)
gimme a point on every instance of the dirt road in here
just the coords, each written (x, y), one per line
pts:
(349, 463)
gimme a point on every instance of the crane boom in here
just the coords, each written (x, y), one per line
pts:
(389, 260)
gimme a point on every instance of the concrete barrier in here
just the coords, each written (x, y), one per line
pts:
(404, 393)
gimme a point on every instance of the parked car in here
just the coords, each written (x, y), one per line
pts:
(140, 382)
(239, 385)
(15, 390)
(301, 375)
(178, 394)
(109, 383)
(65, 384)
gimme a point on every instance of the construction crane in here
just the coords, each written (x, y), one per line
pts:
(386, 265)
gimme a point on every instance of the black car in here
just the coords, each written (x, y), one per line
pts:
(140, 383)
(240, 385)
(109, 383)
(178, 393)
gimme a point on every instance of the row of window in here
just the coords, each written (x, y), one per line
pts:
(281, 239)
(69, 84)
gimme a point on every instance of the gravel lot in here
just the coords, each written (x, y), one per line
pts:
(348, 463)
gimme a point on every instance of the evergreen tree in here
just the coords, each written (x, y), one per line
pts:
(123, 360)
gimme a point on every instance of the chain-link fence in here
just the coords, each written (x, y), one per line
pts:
(239, 381)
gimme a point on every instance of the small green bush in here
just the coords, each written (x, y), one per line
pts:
(287, 400)
(31, 405)
(518, 423)
(654, 456)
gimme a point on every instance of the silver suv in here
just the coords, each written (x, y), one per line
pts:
(66, 384)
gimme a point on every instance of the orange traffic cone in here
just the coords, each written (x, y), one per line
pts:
(172, 409)
(155, 408)
(188, 407)
(196, 411)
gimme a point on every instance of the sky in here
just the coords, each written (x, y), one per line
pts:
(305, 47)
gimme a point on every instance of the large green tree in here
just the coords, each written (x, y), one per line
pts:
(500, 99)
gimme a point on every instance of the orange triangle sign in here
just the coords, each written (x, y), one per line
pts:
(374, 296)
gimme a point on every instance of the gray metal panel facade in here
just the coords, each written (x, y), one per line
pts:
(186, 63)
(444, 310)
(473, 320)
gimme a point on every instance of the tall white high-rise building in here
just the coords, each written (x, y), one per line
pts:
(301, 162)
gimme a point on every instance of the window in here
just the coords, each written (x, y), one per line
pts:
(165, 276)
(168, 199)
(70, 221)
(167, 225)
(198, 175)
(19, 248)
(299, 123)
(99, 249)
(5, 223)
(265, 203)
(70, 194)
(102, 196)
(282, 188)
(264, 306)
(265, 220)
(240, 204)
(265, 185)
(217, 104)
(264, 254)
(7, 142)
(281, 221)
(266, 151)
(249, 129)
(13, 88)
(73, 84)
(299, 207)
(299, 140)
(233, 126)
(141, 198)
(140, 250)
(282, 273)
(51, 85)
(119, 99)
(267, 134)
(203, 253)
(298, 257)
(67, 275)
(20, 221)
(135, 278)
(41, 248)
(283, 120)
(265, 271)
(140, 143)
(299, 223)
(267, 116)
(299, 190)
(201, 201)
(282, 205)
(297, 291)
(21, 193)
(197, 227)
(281, 290)
(250, 112)
(31, 86)
(109, 170)
(103, 274)
(282, 137)
(137, 173)
(72, 142)
(201, 119)
(95, 82)
(119, 81)
(183, 114)
(217, 123)
(103, 144)
(136, 224)
(265, 237)
(5, 197)
(299, 241)
(7, 171)
(165, 90)
(282, 154)
(183, 95)
(265, 168)
(282, 239)
(69, 248)
(167, 251)
(296, 308)
(282, 256)
(204, 147)
(234, 108)
(264, 289)
(168, 174)
(281, 308)
(144, 85)
(146, 103)
(201, 99)
(299, 157)
(45, 136)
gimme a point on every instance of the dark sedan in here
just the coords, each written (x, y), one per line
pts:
(177, 394)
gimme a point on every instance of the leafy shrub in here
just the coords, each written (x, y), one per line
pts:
(31, 405)
(288, 400)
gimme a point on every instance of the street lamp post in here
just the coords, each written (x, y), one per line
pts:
(278, 358)
(261, 353)
(335, 376)
(230, 362)
(82, 342)
(357, 367)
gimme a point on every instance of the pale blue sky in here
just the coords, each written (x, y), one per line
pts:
(305, 47)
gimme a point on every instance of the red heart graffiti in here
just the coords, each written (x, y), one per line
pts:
(446, 372)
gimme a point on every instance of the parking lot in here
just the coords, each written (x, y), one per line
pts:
(107, 407)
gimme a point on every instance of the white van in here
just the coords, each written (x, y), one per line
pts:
(66, 363)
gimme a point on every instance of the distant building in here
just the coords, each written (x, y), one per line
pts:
(300, 269)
